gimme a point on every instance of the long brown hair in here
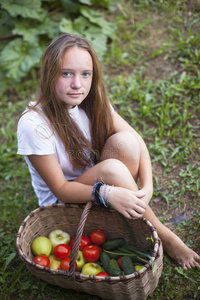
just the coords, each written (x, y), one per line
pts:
(96, 104)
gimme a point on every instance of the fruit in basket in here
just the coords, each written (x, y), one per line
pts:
(138, 267)
(119, 263)
(102, 274)
(91, 269)
(91, 253)
(57, 237)
(80, 261)
(64, 265)
(54, 263)
(98, 237)
(85, 241)
(41, 245)
(42, 260)
(62, 251)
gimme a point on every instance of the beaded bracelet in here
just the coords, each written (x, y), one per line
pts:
(97, 193)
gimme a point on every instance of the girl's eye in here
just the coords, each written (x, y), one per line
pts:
(67, 74)
(86, 74)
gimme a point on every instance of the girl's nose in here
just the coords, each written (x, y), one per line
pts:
(76, 82)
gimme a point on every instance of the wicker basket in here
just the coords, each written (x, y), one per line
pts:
(72, 218)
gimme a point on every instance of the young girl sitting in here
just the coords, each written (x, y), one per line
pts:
(76, 145)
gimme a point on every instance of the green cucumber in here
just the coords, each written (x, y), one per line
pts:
(105, 259)
(127, 265)
(114, 269)
(113, 244)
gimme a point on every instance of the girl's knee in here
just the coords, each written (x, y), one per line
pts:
(112, 167)
(122, 145)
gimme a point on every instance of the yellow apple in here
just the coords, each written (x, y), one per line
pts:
(138, 267)
(54, 263)
(80, 261)
(41, 245)
(91, 269)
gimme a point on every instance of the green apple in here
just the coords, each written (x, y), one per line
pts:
(58, 237)
(41, 245)
(138, 267)
(54, 262)
(91, 269)
(80, 261)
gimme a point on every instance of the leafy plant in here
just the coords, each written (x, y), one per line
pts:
(26, 30)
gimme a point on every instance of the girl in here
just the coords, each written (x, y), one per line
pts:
(78, 148)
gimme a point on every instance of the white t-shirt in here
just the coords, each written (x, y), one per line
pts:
(35, 136)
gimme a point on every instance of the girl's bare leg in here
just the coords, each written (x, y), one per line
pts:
(119, 166)
(172, 244)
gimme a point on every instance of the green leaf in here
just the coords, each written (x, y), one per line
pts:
(87, 2)
(66, 26)
(31, 9)
(89, 31)
(182, 272)
(128, 229)
(6, 23)
(19, 57)
(9, 259)
(31, 29)
(70, 6)
(93, 16)
(93, 34)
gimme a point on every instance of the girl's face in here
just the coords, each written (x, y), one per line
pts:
(75, 80)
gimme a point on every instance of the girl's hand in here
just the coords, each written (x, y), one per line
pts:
(127, 203)
(144, 194)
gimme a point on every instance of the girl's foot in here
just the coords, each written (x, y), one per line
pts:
(180, 253)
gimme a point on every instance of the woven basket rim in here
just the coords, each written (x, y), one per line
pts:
(81, 276)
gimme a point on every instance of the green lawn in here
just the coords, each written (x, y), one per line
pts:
(152, 75)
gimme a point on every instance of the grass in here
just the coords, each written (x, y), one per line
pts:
(152, 75)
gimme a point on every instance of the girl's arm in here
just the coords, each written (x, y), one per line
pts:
(145, 168)
(49, 169)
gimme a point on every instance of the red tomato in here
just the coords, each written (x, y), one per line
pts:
(100, 249)
(91, 253)
(42, 260)
(119, 263)
(97, 237)
(62, 251)
(102, 274)
(64, 265)
(85, 241)
(71, 243)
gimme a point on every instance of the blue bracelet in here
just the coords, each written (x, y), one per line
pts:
(95, 192)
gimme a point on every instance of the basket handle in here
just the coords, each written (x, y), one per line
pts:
(75, 248)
